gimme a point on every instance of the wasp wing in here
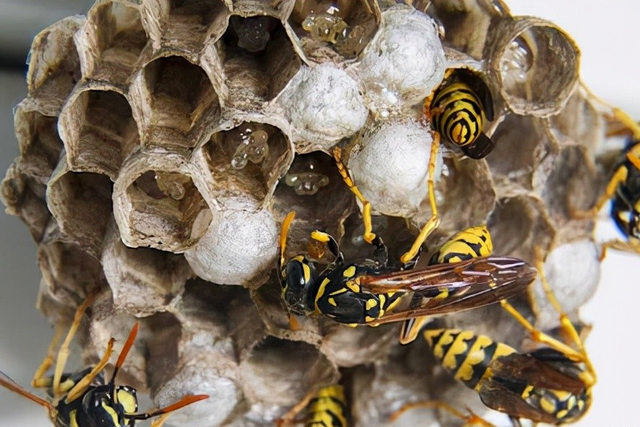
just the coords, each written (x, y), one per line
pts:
(510, 375)
(448, 288)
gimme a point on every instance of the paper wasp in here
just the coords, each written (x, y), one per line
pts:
(551, 384)
(373, 292)
(325, 408)
(458, 110)
(623, 189)
(83, 399)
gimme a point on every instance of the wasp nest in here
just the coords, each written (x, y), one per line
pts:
(162, 144)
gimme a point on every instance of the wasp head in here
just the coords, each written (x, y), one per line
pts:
(297, 277)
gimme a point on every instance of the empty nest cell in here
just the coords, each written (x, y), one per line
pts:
(99, 131)
(81, 205)
(65, 268)
(177, 102)
(254, 77)
(158, 207)
(40, 144)
(246, 161)
(54, 65)
(143, 281)
(114, 39)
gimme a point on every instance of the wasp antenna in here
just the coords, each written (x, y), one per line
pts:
(121, 358)
(10, 384)
(185, 401)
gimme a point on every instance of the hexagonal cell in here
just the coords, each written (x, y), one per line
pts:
(175, 102)
(573, 272)
(518, 225)
(245, 161)
(534, 63)
(323, 104)
(143, 281)
(227, 311)
(348, 347)
(25, 197)
(107, 323)
(184, 24)
(111, 41)
(520, 144)
(579, 122)
(99, 131)
(344, 26)
(379, 390)
(256, 77)
(200, 377)
(314, 189)
(54, 65)
(156, 203)
(402, 65)
(65, 268)
(40, 144)
(568, 180)
(81, 204)
(281, 373)
(465, 23)
(238, 248)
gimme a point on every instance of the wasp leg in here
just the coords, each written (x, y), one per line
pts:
(434, 221)
(160, 420)
(284, 232)
(37, 381)
(631, 246)
(368, 234)
(470, 419)
(577, 354)
(618, 177)
(289, 418)
(63, 352)
(331, 243)
(81, 386)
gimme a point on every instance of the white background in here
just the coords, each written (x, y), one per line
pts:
(608, 37)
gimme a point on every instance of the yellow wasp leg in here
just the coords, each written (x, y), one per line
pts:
(63, 352)
(434, 221)
(579, 354)
(284, 231)
(470, 419)
(289, 418)
(81, 387)
(158, 422)
(38, 378)
(631, 246)
(618, 177)
(368, 234)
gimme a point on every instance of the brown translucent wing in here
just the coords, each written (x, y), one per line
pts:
(448, 288)
(540, 370)
(533, 369)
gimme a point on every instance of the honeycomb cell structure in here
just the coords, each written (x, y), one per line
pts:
(163, 143)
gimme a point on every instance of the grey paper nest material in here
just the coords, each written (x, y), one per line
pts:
(162, 143)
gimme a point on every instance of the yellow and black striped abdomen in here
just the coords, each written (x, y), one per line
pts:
(465, 354)
(328, 408)
(457, 113)
(472, 242)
